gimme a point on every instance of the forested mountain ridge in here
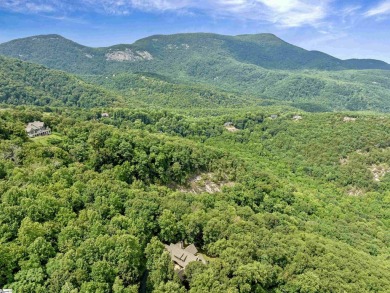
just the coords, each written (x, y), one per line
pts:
(155, 90)
(264, 50)
(31, 84)
(52, 51)
(258, 66)
(24, 83)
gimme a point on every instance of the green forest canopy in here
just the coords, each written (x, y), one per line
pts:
(89, 208)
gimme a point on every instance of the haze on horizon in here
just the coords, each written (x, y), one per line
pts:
(345, 29)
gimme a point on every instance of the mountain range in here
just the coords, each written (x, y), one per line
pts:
(261, 66)
(263, 50)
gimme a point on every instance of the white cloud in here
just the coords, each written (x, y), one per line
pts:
(350, 10)
(161, 5)
(28, 6)
(382, 9)
(286, 13)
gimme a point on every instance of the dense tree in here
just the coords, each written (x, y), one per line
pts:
(90, 208)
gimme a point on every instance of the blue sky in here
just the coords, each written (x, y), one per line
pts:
(345, 29)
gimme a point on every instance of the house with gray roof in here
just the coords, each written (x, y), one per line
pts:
(37, 128)
(182, 256)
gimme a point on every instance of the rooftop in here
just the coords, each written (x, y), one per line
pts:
(183, 256)
(35, 126)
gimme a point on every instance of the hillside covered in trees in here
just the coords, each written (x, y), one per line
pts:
(25, 83)
(89, 208)
(260, 66)
(30, 84)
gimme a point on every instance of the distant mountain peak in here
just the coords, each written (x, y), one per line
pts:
(264, 50)
(43, 37)
(49, 36)
(262, 37)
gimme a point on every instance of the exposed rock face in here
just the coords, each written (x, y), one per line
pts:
(355, 192)
(344, 161)
(349, 119)
(231, 128)
(205, 183)
(176, 47)
(128, 55)
(145, 55)
(379, 171)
